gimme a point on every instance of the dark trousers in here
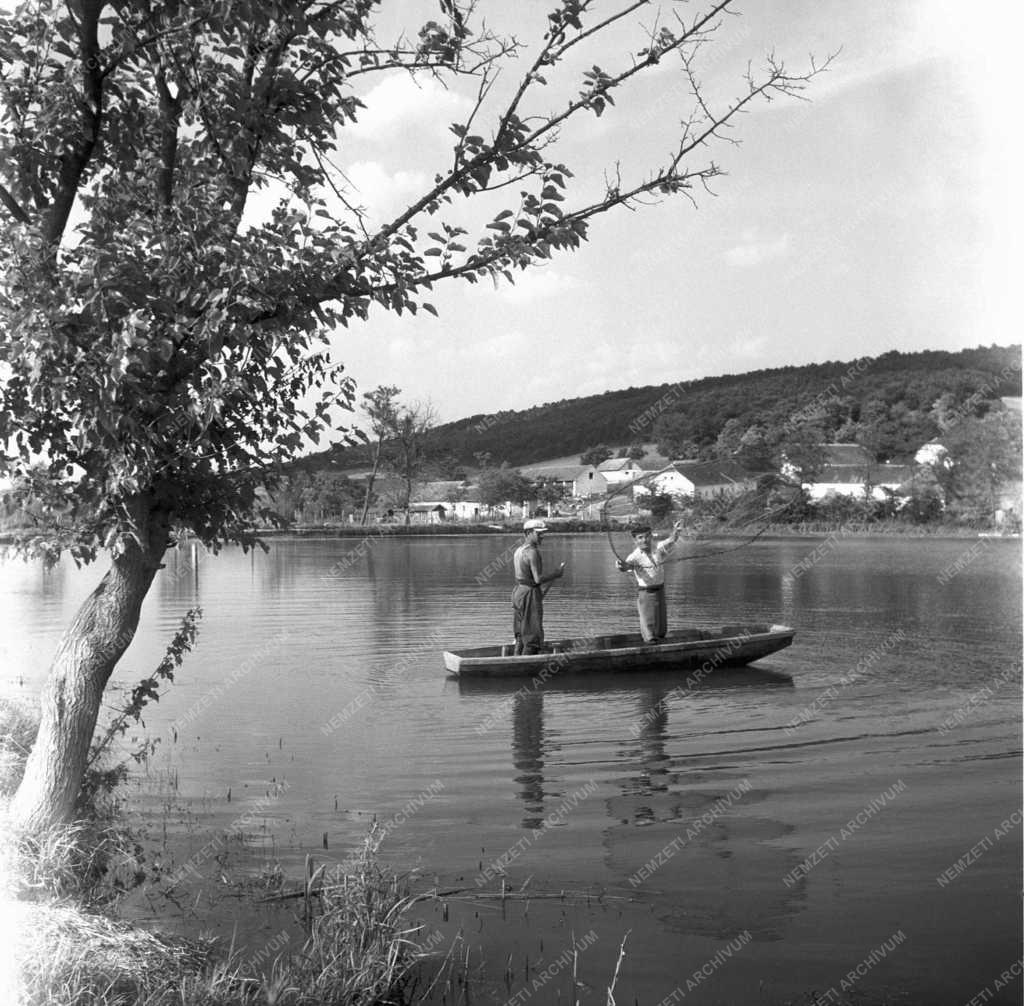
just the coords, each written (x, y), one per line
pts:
(527, 619)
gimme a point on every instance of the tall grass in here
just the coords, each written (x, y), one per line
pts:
(66, 952)
(359, 950)
(94, 859)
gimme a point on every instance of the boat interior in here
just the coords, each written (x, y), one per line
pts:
(624, 640)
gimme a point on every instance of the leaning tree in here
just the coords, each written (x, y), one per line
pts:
(165, 346)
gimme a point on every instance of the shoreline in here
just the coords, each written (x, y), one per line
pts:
(777, 531)
(559, 526)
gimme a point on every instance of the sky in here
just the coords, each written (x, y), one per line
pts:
(877, 215)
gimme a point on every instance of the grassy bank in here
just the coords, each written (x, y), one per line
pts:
(65, 946)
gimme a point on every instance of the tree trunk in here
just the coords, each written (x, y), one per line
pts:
(371, 480)
(85, 658)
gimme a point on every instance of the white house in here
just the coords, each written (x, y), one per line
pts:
(934, 454)
(618, 471)
(469, 508)
(850, 470)
(700, 479)
(859, 482)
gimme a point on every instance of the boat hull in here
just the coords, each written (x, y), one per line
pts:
(687, 649)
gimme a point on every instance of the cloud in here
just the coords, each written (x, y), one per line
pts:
(753, 252)
(401, 103)
(537, 284)
(383, 192)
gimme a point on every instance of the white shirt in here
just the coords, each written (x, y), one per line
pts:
(648, 568)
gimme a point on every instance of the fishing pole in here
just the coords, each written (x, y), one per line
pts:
(766, 517)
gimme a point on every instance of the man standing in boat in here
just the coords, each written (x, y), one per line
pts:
(527, 596)
(647, 564)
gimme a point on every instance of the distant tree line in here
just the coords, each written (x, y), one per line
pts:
(891, 405)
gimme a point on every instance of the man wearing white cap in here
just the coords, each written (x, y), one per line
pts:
(527, 596)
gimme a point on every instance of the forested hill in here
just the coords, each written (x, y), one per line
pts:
(891, 404)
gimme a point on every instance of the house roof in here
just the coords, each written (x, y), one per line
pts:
(560, 473)
(845, 454)
(713, 473)
(426, 507)
(617, 465)
(437, 490)
(841, 475)
(877, 475)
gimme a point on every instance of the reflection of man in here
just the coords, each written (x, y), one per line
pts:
(646, 563)
(527, 597)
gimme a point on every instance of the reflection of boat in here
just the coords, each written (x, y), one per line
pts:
(637, 684)
(683, 649)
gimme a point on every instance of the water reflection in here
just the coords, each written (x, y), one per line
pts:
(668, 797)
(649, 786)
(528, 755)
(652, 707)
(353, 711)
(180, 581)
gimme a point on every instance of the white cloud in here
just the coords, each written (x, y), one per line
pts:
(400, 103)
(537, 284)
(753, 251)
(381, 192)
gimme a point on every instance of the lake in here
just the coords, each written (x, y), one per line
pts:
(844, 817)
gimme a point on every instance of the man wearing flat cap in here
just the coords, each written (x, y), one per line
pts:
(647, 564)
(527, 596)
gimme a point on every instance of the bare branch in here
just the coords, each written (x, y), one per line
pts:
(576, 39)
(698, 26)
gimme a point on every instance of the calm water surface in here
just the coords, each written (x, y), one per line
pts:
(712, 827)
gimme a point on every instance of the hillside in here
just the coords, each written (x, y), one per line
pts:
(890, 404)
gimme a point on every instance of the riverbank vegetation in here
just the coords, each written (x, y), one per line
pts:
(60, 889)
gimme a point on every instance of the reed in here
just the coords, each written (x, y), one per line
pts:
(359, 948)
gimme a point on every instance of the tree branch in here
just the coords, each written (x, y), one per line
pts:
(144, 43)
(75, 159)
(170, 112)
(13, 207)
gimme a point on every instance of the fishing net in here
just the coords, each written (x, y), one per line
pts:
(707, 526)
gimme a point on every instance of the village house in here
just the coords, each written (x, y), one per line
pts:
(447, 500)
(468, 507)
(849, 470)
(578, 481)
(876, 481)
(700, 479)
(428, 513)
(618, 471)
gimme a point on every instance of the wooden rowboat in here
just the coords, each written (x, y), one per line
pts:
(683, 649)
